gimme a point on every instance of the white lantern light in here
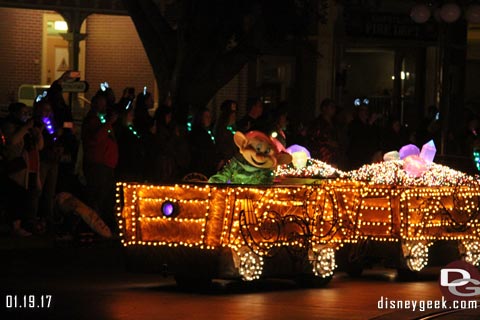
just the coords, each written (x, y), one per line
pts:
(416, 255)
(323, 260)
(450, 12)
(420, 13)
(300, 155)
(60, 25)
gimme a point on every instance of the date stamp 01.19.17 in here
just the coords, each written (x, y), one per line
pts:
(28, 301)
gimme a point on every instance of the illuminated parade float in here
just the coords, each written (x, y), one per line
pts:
(296, 225)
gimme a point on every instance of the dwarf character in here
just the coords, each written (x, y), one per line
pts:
(254, 164)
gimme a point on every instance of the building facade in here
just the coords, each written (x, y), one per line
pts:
(365, 49)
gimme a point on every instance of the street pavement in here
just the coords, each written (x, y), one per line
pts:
(84, 280)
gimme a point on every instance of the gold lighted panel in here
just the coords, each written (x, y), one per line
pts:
(418, 213)
(336, 211)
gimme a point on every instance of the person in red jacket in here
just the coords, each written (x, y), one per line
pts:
(100, 157)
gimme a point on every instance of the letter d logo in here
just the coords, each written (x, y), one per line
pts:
(444, 277)
(459, 280)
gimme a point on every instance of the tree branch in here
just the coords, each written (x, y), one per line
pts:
(157, 36)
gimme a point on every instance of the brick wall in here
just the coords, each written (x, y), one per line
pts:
(115, 54)
(21, 50)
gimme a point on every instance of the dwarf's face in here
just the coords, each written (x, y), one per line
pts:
(259, 150)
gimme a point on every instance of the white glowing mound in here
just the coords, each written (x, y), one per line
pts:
(314, 169)
(392, 173)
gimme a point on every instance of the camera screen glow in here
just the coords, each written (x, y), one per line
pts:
(104, 86)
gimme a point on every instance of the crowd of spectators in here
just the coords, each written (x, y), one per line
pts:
(42, 153)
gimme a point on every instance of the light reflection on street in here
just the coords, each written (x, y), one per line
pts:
(343, 298)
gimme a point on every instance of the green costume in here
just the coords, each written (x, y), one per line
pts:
(239, 171)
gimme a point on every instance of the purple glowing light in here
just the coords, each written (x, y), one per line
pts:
(428, 151)
(296, 148)
(409, 150)
(48, 125)
(168, 209)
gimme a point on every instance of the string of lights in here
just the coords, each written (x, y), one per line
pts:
(378, 202)
(135, 133)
